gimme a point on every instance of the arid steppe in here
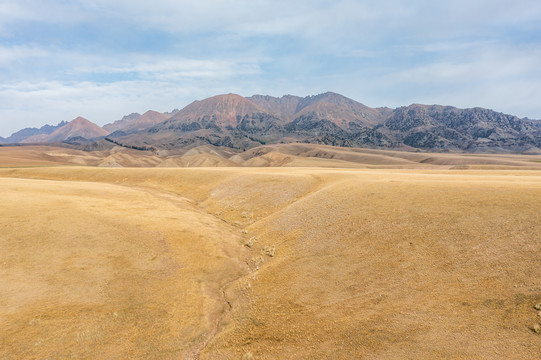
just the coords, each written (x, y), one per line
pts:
(400, 258)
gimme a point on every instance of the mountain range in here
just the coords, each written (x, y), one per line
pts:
(136, 122)
(77, 128)
(245, 122)
(28, 132)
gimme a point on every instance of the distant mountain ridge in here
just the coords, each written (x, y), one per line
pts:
(126, 121)
(77, 128)
(238, 122)
(440, 127)
(333, 119)
(136, 122)
(222, 111)
(23, 134)
(284, 107)
(330, 106)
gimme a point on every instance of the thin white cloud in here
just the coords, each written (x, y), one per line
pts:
(296, 18)
(177, 68)
(488, 64)
(15, 54)
(151, 67)
(13, 12)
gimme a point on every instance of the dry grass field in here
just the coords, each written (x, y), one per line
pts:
(414, 262)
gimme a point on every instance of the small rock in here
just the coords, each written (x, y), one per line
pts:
(269, 250)
(248, 356)
(250, 242)
(536, 328)
(537, 306)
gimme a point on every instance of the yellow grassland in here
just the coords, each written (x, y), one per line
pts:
(269, 263)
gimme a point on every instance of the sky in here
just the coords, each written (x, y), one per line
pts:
(103, 59)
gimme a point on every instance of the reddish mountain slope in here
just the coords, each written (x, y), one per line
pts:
(122, 123)
(329, 106)
(146, 120)
(340, 110)
(224, 109)
(77, 127)
(135, 122)
(284, 107)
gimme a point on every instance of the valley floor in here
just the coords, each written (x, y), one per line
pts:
(269, 263)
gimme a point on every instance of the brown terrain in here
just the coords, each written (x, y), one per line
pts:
(290, 251)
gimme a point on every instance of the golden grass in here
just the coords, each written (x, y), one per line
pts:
(341, 263)
(103, 271)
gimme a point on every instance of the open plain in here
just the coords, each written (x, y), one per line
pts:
(341, 255)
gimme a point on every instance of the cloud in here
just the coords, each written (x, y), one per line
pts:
(177, 68)
(102, 59)
(78, 65)
(302, 18)
(10, 55)
(495, 63)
